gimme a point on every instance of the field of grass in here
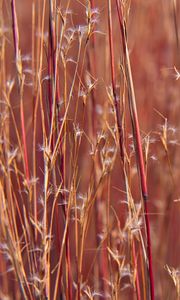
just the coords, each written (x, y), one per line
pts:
(89, 149)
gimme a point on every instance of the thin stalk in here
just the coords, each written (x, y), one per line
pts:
(119, 119)
(137, 141)
(34, 119)
(21, 84)
(176, 22)
(102, 271)
(53, 86)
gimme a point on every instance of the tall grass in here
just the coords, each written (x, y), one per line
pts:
(89, 194)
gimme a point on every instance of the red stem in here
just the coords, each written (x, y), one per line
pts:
(137, 139)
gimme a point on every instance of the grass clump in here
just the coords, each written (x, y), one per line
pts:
(88, 196)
